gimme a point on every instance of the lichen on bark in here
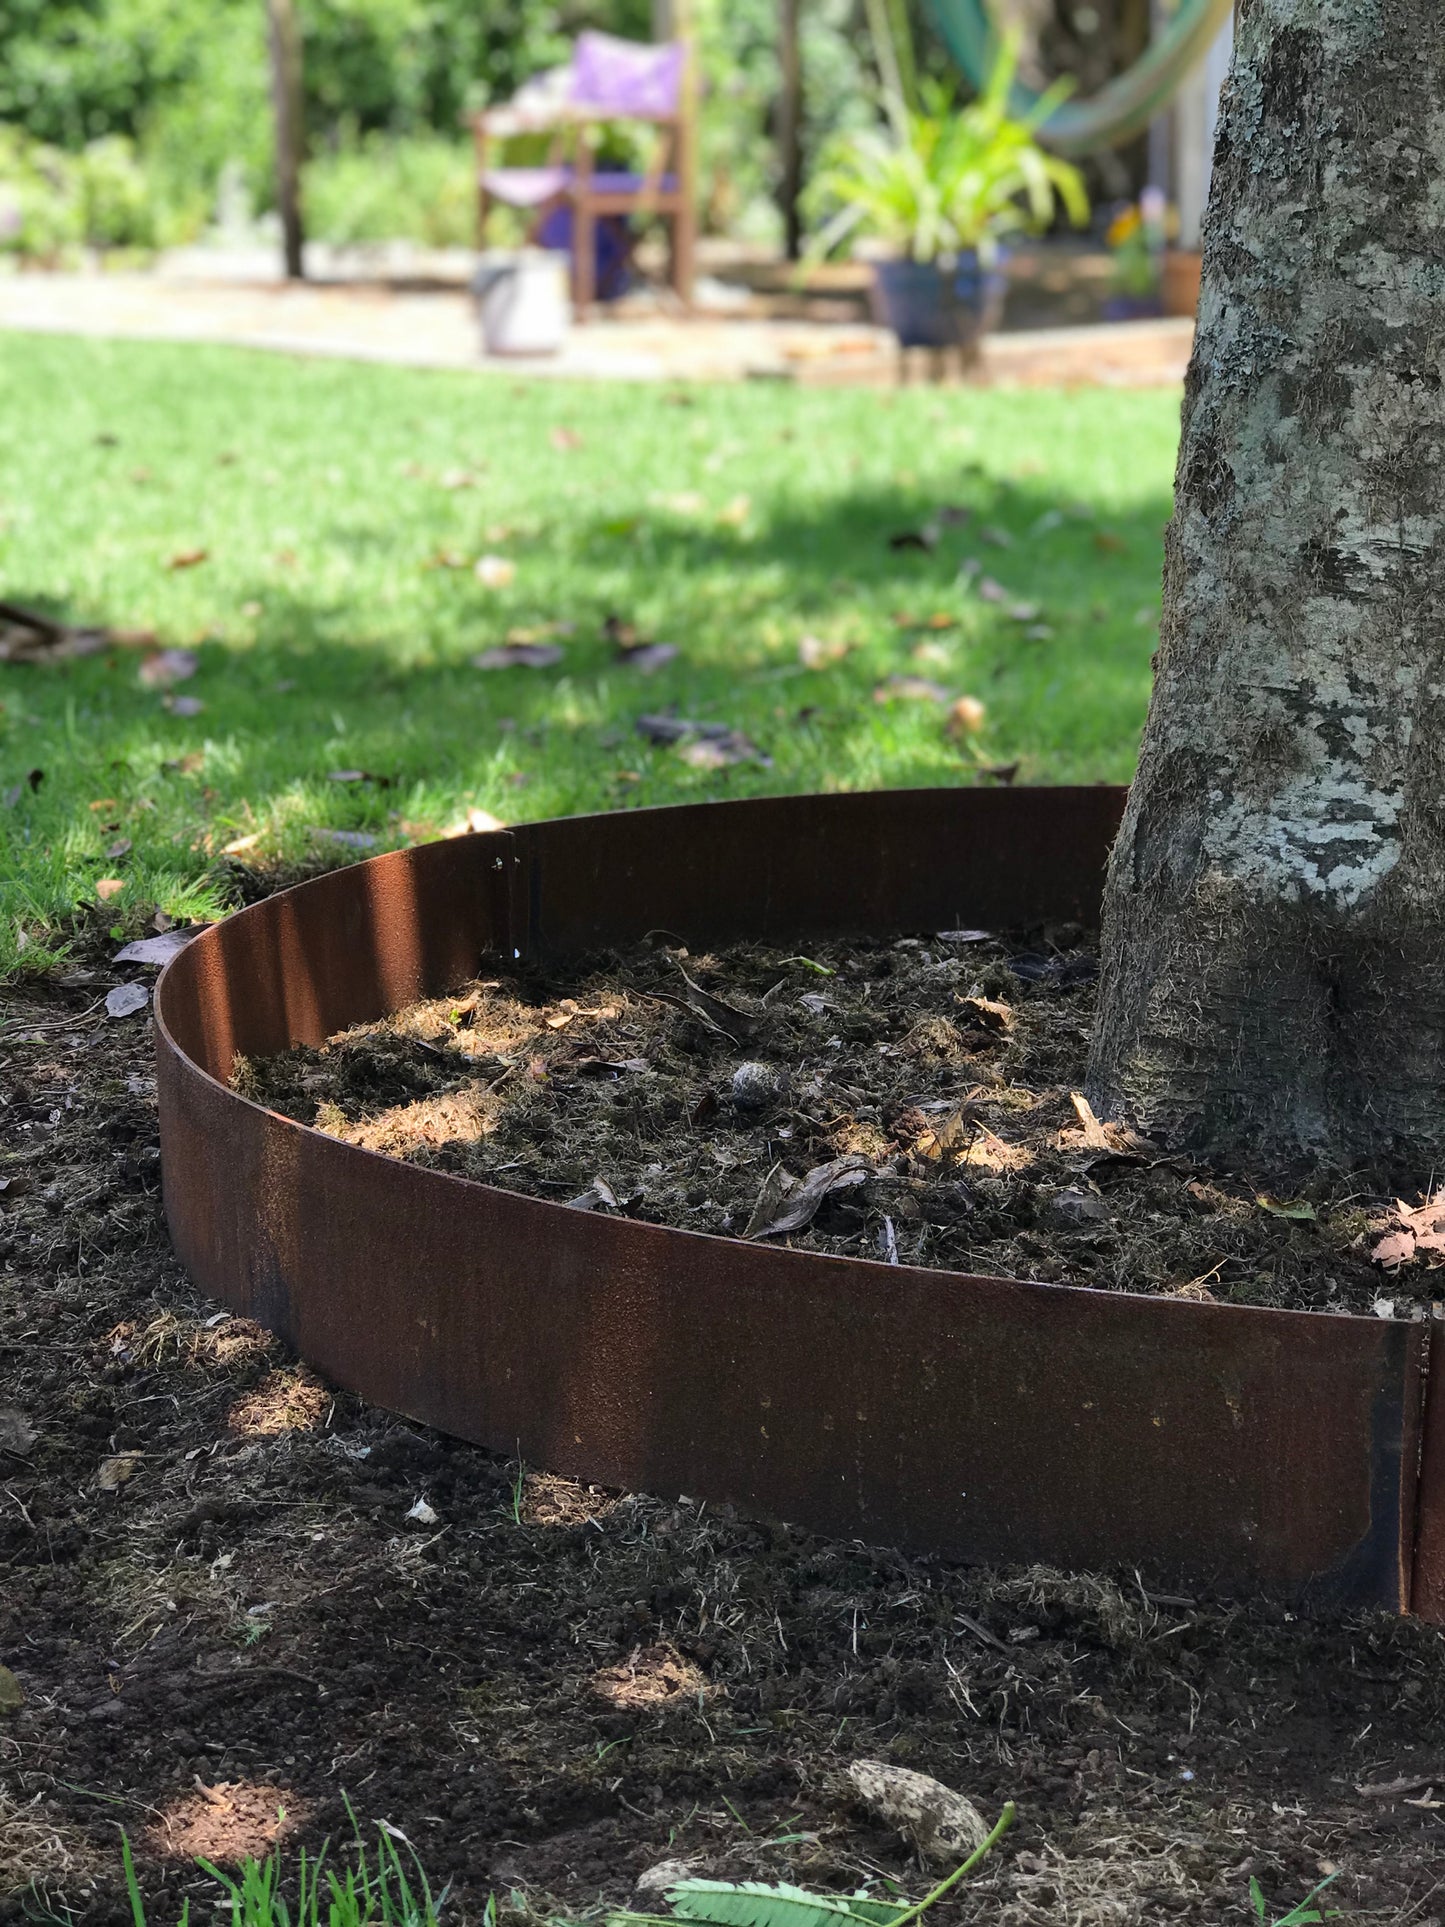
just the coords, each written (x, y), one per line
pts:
(1274, 932)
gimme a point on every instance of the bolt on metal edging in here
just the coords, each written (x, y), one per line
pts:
(972, 1417)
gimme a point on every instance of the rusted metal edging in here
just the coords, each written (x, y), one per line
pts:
(976, 1417)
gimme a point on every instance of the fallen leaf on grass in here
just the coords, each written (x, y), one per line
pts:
(564, 439)
(520, 655)
(28, 636)
(722, 752)
(168, 666)
(108, 887)
(736, 512)
(115, 1471)
(17, 1434)
(966, 717)
(475, 823)
(911, 689)
(155, 951)
(348, 839)
(820, 652)
(939, 1822)
(239, 845)
(126, 1000)
(188, 558)
(940, 619)
(495, 571)
(455, 478)
(702, 745)
(648, 657)
(1108, 543)
(120, 847)
(358, 776)
(183, 705)
(996, 537)
(785, 1204)
(925, 538)
(32, 781)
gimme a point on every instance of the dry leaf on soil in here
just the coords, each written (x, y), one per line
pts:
(779, 1211)
(17, 1434)
(115, 1471)
(126, 1000)
(155, 951)
(1411, 1231)
(939, 1822)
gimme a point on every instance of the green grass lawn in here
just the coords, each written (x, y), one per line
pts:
(341, 509)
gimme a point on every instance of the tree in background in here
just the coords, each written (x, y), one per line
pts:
(288, 106)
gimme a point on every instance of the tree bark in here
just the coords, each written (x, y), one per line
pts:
(790, 126)
(1274, 927)
(284, 39)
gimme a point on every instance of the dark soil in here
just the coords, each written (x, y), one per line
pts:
(691, 1090)
(215, 1602)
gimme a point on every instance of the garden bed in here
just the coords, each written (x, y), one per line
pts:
(915, 1099)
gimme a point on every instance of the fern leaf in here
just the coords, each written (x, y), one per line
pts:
(751, 1903)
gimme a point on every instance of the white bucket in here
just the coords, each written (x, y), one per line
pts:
(523, 299)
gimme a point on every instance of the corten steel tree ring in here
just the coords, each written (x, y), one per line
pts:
(983, 1418)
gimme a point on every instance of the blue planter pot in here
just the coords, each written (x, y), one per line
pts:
(926, 307)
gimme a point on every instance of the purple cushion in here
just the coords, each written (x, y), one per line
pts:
(525, 186)
(533, 186)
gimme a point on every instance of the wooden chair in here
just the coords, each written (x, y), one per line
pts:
(607, 79)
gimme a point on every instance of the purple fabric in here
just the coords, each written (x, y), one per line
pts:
(616, 78)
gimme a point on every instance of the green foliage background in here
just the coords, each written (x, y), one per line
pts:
(184, 82)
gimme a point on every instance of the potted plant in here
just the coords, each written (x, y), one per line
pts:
(936, 189)
(1136, 239)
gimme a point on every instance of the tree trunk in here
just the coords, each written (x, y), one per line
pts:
(1274, 928)
(790, 126)
(284, 37)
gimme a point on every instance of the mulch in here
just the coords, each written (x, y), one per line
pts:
(231, 1592)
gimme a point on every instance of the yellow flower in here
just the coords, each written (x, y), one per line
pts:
(1124, 226)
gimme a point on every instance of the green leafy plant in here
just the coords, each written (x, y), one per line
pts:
(1304, 1915)
(752, 1903)
(374, 1892)
(935, 180)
